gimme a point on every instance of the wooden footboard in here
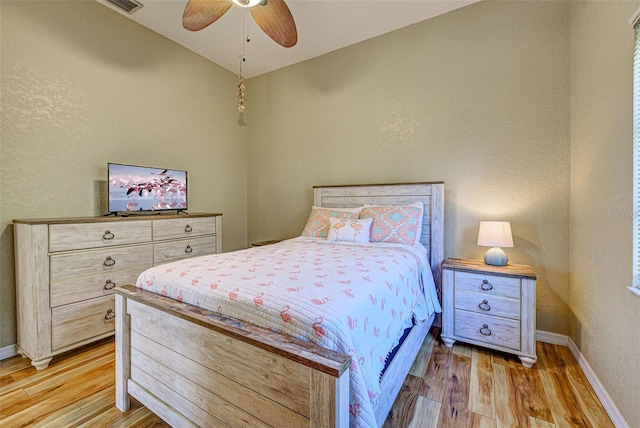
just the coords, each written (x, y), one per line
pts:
(193, 367)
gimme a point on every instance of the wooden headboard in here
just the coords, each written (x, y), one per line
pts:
(430, 194)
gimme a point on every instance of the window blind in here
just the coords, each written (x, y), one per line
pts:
(636, 160)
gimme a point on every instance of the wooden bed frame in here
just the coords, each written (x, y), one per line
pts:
(193, 367)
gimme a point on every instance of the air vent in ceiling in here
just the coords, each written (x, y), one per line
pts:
(128, 6)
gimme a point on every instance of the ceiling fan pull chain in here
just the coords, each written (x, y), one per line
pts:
(245, 40)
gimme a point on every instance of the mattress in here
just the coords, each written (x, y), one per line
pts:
(352, 298)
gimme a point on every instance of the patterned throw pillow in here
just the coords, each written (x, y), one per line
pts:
(400, 224)
(349, 230)
(318, 222)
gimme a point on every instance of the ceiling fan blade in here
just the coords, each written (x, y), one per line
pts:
(276, 20)
(200, 14)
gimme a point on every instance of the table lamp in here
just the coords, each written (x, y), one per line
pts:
(495, 234)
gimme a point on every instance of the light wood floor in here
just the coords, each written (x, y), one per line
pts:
(459, 387)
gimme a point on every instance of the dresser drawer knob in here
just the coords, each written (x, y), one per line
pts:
(485, 330)
(109, 285)
(108, 236)
(486, 285)
(110, 315)
(108, 262)
(188, 229)
(188, 250)
(484, 306)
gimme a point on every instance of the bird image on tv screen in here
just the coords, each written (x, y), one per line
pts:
(140, 188)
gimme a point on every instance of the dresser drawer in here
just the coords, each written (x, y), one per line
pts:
(183, 228)
(487, 329)
(175, 250)
(81, 321)
(79, 236)
(77, 289)
(488, 284)
(488, 304)
(70, 266)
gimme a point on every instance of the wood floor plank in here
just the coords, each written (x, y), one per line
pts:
(537, 423)
(60, 364)
(505, 360)
(82, 410)
(419, 366)
(480, 421)
(562, 401)
(505, 415)
(530, 392)
(462, 349)
(113, 417)
(13, 365)
(548, 355)
(481, 393)
(61, 378)
(590, 406)
(402, 410)
(50, 400)
(454, 410)
(435, 377)
(425, 414)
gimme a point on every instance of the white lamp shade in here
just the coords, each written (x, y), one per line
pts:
(495, 234)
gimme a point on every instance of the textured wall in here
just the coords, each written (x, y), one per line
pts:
(83, 86)
(478, 97)
(605, 317)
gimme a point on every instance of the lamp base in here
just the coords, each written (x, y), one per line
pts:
(495, 257)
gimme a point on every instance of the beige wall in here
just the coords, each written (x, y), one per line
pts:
(83, 86)
(605, 317)
(478, 98)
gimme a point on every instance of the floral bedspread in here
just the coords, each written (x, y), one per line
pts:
(352, 298)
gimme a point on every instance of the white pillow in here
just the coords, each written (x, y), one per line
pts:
(349, 230)
(318, 221)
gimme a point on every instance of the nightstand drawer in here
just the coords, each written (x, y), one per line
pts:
(488, 284)
(487, 329)
(488, 304)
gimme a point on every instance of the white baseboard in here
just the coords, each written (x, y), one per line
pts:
(8, 352)
(553, 338)
(603, 395)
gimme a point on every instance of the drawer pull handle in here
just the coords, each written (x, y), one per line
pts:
(188, 250)
(188, 229)
(108, 262)
(110, 315)
(108, 236)
(486, 285)
(484, 306)
(485, 330)
(109, 285)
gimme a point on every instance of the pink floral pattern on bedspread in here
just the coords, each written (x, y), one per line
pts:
(352, 298)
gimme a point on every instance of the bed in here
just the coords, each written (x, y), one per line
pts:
(194, 361)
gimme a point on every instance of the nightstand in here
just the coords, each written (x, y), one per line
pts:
(490, 306)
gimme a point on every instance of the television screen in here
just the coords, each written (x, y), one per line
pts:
(141, 188)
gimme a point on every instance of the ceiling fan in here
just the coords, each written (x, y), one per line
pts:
(272, 16)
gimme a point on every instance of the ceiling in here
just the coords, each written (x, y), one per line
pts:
(323, 26)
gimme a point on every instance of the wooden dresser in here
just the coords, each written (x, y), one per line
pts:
(66, 270)
(490, 306)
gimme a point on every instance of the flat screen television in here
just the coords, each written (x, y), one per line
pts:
(142, 188)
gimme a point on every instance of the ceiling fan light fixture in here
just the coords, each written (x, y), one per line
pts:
(247, 3)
